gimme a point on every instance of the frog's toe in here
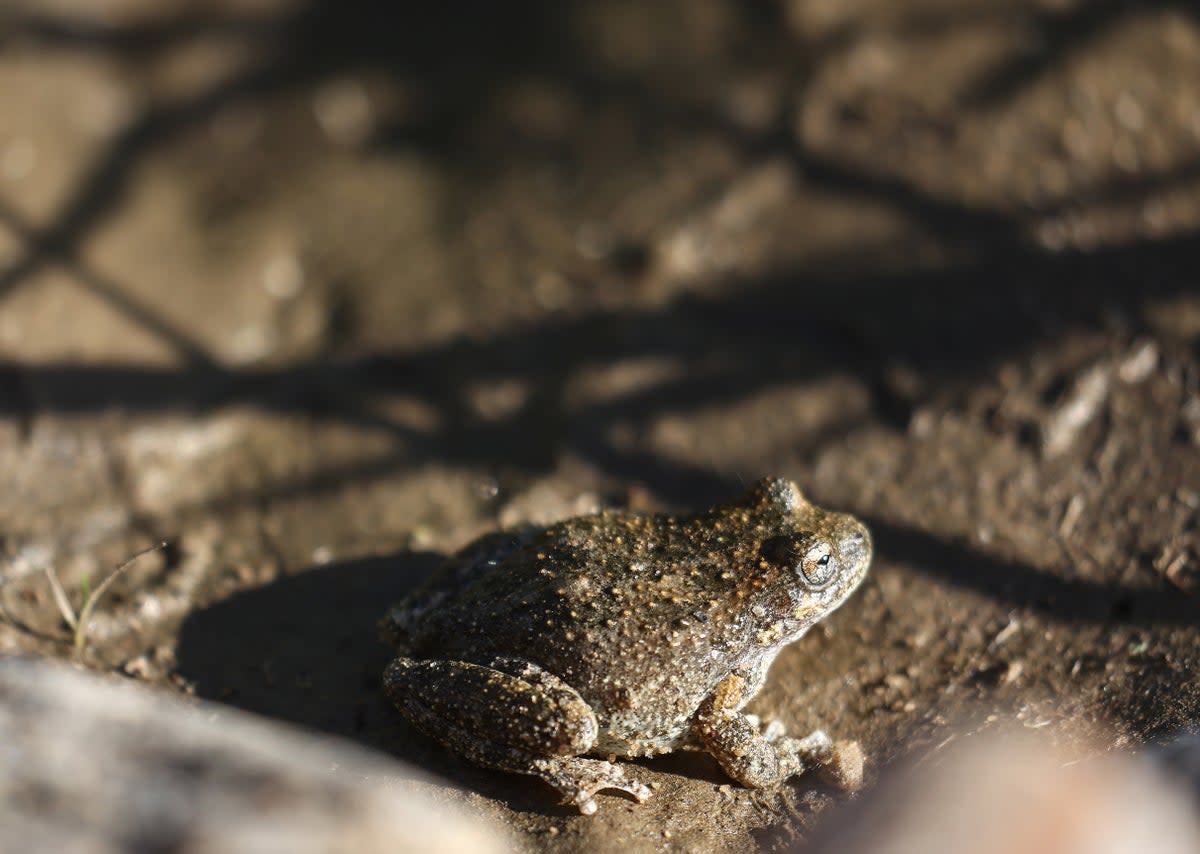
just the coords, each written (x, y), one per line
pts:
(816, 748)
(774, 731)
(580, 780)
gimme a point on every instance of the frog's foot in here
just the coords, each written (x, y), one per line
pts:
(814, 750)
(579, 779)
(840, 763)
(757, 759)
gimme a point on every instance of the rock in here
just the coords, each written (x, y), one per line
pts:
(99, 765)
(994, 795)
(1180, 758)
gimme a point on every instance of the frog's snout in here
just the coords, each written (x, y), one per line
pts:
(855, 546)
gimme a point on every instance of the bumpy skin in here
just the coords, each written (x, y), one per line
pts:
(624, 634)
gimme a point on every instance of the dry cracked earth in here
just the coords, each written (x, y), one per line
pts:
(316, 292)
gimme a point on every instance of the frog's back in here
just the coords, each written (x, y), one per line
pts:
(567, 586)
(508, 586)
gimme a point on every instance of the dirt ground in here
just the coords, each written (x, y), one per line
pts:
(319, 291)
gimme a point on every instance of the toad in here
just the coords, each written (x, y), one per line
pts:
(539, 650)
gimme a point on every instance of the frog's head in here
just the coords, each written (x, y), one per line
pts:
(813, 558)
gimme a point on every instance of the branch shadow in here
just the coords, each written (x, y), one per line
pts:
(1071, 600)
(1062, 33)
(461, 67)
(299, 648)
(425, 44)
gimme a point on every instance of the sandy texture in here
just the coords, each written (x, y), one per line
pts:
(318, 292)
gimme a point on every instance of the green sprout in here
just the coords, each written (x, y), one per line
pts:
(78, 621)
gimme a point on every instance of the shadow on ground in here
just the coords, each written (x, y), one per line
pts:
(305, 649)
(1072, 600)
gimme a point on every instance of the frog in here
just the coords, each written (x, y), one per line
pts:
(553, 650)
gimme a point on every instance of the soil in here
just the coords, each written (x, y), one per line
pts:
(317, 292)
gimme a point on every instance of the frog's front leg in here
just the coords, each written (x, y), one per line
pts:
(747, 755)
(511, 715)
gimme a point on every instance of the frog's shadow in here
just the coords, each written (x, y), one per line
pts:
(304, 649)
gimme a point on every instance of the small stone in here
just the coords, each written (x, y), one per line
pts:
(1015, 670)
(1139, 364)
(1078, 409)
(283, 277)
(344, 111)
(845, 768)
(897, 682)
(136, 667)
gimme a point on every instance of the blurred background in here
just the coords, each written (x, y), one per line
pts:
(319, 290)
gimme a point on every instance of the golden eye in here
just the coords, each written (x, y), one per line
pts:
(817, 566)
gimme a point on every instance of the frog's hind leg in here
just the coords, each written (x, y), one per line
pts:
(511, 715)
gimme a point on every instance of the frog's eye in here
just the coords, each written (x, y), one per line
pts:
(812, 561)
(817, 566)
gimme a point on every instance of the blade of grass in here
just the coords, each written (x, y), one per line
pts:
(60, 599)
(89, 604)
(85, 587)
